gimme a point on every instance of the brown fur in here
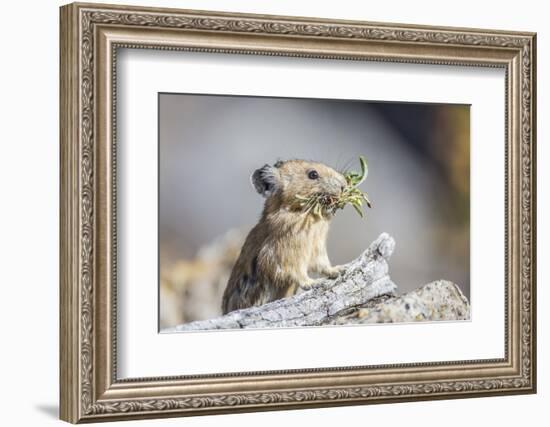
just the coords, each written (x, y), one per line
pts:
(287, 243)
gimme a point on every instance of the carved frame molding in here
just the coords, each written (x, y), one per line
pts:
(90, 37)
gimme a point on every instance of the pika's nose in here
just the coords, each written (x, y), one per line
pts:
(342, 187)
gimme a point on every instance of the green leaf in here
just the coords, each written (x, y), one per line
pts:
(364, 170)
(367, 200)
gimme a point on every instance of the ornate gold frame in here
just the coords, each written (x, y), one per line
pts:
(90, 36)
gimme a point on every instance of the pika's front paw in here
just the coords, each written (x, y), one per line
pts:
(334, 272)
(307, 284)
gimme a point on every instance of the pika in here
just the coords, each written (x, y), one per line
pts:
(289, 241)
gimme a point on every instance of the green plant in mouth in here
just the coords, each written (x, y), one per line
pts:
(319, 202)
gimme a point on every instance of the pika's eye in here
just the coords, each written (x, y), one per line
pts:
(313, 174)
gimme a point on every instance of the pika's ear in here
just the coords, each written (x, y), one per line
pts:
(266, 180)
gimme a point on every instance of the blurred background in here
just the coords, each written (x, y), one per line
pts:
(419, 182)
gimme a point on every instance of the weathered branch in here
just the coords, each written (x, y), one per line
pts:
(364, 279)
(364, 293)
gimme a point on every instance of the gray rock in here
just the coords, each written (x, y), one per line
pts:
(439, 300)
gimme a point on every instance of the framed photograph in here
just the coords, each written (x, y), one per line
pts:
(267, 212)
